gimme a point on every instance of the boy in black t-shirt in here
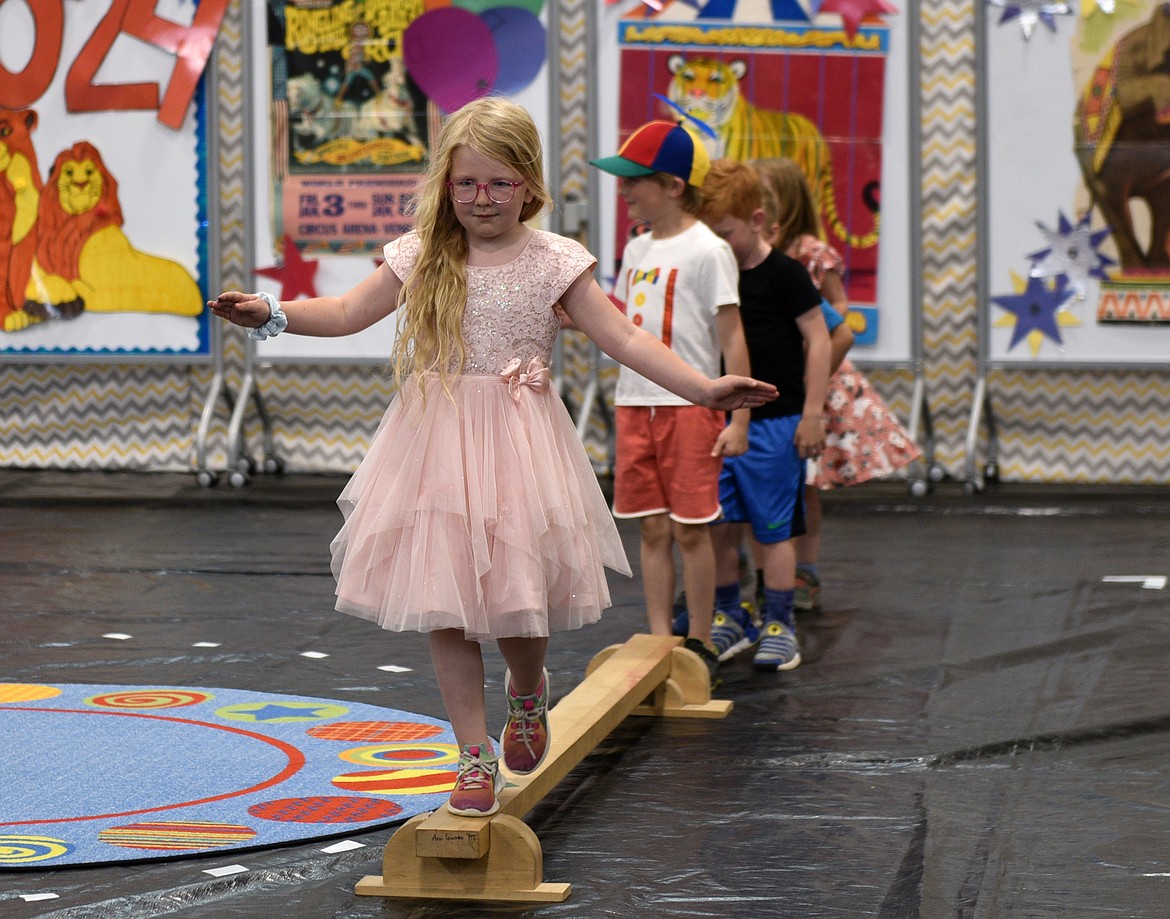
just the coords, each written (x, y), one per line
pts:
(788, 345)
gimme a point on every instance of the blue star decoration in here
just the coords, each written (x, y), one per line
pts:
(1036, 311)
(1072, 251)
(1030, 12)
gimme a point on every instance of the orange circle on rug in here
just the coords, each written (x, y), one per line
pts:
(374, 731)
(149, 698)
(397, 781)
(324, 809)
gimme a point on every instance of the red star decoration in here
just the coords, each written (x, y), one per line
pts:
(854, 11)
(295, 274)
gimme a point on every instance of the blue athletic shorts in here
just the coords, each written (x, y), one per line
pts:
(765, 486)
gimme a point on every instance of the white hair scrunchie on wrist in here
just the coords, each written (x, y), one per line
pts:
(277, 320)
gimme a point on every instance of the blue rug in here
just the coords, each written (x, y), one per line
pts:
(93, 774)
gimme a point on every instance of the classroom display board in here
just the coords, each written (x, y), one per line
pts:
(104, 250)
(346, 100)
(1077, 173)
(781, 79)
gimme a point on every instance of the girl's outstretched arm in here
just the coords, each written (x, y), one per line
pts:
(594, 314)
(374, 298)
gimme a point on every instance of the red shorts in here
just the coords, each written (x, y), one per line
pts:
(664, 463)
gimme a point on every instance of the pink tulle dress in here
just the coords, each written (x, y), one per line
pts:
(480, 511)
(864, 439)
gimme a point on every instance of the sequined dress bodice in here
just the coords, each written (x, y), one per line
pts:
(509, 312)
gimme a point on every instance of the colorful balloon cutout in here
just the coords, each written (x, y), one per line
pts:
(451, 55)
(521, 44)
(478, 6)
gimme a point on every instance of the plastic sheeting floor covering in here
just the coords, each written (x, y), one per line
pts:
(980, 727)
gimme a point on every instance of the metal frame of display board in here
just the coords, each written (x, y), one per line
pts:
(982, 415)
(238, 464)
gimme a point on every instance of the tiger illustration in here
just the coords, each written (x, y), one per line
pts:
(708, 91)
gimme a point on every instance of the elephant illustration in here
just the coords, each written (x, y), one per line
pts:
(1122, 136)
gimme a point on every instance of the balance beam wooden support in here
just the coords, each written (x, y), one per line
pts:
(442, 856)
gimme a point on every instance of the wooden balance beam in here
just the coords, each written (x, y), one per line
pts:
(446, 857)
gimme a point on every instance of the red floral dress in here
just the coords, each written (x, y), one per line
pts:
(863, 437)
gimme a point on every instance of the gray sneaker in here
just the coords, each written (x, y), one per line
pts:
(732, 631)
(779, 649)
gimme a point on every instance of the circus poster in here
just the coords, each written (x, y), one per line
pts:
(358, 91)
(103, 179)
(804, 91)
(350, 128)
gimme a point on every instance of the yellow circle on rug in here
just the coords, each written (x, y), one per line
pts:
(23, 850)
(397, 781)
(26, 692)
(402, 754)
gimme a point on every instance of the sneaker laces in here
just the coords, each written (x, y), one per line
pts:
(524, 719)
(473, 772)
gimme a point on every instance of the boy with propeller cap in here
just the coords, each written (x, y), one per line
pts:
(679, 281)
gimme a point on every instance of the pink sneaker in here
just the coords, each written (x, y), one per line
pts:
(476, 784)
(525, 737)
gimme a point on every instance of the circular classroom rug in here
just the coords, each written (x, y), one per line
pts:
(93, 774)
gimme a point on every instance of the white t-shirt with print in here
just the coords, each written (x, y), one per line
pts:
(673, 289)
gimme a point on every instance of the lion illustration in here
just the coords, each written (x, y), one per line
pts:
(20, 192)
(84, 257)
(708, 91)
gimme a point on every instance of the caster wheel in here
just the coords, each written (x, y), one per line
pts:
(273, 465)
(972, 488)
(991, 472)
(206, 478)
(936, 473)
(246, 465)
(919, 488)
(237, 479)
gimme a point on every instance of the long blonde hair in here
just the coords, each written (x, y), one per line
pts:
(798, 212)
(434, 295)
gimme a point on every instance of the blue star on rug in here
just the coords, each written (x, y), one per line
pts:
(278, 712)
(1035, 311)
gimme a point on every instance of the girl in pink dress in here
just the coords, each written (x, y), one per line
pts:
(476, 515)
(863, 438)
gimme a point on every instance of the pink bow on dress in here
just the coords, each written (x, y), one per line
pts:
(535, 375)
